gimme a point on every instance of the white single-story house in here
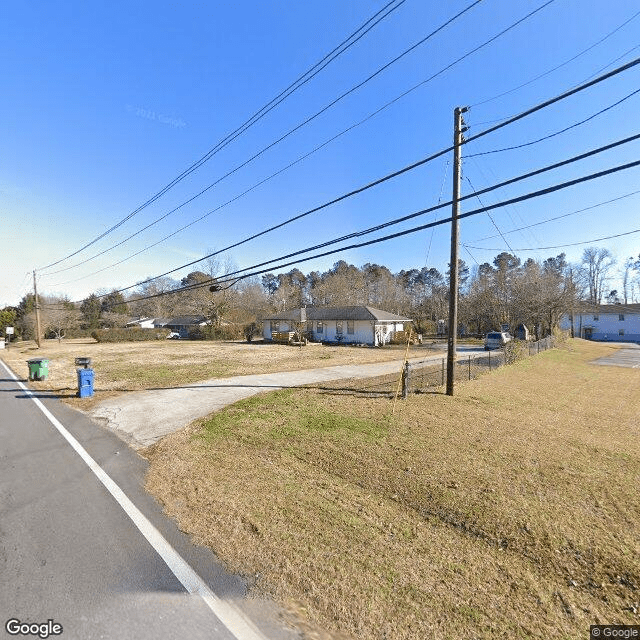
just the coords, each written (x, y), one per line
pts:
(148, 323)
(184, 324)
(357, 325)
(606, 322)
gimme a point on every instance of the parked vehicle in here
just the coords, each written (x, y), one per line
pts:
(496, 340)
(174, 335)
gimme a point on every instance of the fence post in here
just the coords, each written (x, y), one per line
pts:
(469, 367)
(443, 372)
(489, 352)
(405, 381)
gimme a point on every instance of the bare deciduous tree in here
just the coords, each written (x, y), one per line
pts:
(596, 265)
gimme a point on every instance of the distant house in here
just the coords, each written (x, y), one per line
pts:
(358, 325)
(148, 323)
(184, 324)
(607, 322)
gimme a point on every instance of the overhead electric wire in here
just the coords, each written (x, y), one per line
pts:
(559, 66)
(564, 215)
(515, 118)
(493, 173)
(490, 216)
(388, 104)
(421, 162)
(416, 164)
(435, 207)
(589, 77)
(410, 167)
(562, 246)
(398, 234)
(556, 133)
(283, 95)
(444, 177)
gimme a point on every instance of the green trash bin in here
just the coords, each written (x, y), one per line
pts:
(38, 368)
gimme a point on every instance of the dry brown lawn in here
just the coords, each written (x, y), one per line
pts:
(168, 363)
(509, 511)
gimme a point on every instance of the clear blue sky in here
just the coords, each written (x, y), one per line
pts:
(104, 104)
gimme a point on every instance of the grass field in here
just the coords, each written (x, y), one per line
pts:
(509, 511)
(169, 363)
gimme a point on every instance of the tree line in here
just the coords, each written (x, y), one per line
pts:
(505, 291)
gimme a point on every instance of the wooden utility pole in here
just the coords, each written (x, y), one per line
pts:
(37, 303)
(459, 129)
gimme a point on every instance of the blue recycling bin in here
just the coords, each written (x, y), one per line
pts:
(85, 382)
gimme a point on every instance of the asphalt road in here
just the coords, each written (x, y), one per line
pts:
(71, 546)
(628, 356)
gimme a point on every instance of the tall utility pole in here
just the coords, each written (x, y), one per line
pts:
(459, 129)
(37, 303)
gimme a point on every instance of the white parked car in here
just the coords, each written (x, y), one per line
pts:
(174, 335)
(496, 340)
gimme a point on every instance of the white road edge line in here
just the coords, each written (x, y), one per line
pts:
(233, 619)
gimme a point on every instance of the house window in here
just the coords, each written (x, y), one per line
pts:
(621, 332)
(350, 327)
(621, 316)
(595, 318)
(320, 328)
(339, 327)
(275, 326)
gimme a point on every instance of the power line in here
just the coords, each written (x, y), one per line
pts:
(556, 133)
(559, 66)
(410, 167)
(572, 244)
(523, 114)
(528, 196)
(258, 115)
(444, 177)
(564, 215)
(490, 216)
(388, 104)
(421, 212)
(493, 173)
(593, 75)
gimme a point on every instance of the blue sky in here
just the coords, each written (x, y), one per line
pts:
(104, 104)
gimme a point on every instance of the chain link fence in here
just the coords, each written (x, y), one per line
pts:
(424, 375)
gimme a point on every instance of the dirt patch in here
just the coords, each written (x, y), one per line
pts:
(510, 510)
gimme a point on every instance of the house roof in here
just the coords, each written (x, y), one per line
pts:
(138, 320)
(609, 308)
(339, 313)
(186, 320)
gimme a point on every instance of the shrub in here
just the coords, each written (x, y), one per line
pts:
(515, 350)
(135, 334)
(211, 332)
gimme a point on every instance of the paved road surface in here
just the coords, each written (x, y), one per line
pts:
(70, 552)
(627, 356)
(143, 417)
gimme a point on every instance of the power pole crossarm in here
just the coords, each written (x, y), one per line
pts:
(453, 264)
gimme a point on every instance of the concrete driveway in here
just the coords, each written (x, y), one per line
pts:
(143, 417)
(627, 356)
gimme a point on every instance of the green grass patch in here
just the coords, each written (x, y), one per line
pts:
(279, 415)
(509, 510)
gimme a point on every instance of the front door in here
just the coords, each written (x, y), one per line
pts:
(588, 333)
